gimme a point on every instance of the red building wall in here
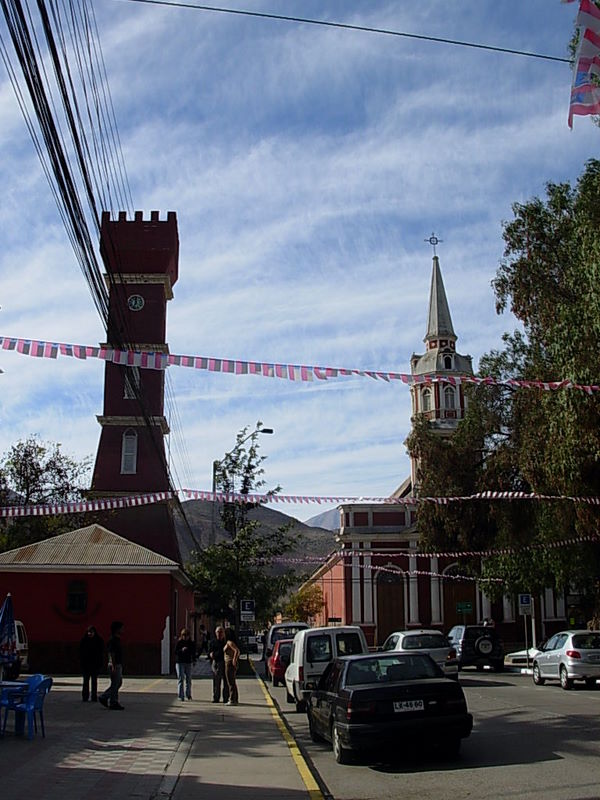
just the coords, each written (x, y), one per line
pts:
(141, 601)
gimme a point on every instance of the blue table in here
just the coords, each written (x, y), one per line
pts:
(7, 687)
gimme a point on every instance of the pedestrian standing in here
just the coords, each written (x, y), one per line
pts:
(231, 655)
(91, 652)
(185, 655)
(217, 661)
(110, 697)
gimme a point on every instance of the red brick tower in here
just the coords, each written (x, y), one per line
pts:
(141, 259)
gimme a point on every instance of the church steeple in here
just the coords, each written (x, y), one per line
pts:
(439, 323)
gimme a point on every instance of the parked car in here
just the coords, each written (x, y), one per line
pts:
(281, 630)
(431, 642)
(521, 658)
(478, 646)
(21, 664)
(569, 656)
(278, 661)
(312, 650)
(381, 700)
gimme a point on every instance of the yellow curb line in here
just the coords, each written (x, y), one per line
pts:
(311, 785)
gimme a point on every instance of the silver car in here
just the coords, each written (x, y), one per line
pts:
(569, 656)
(431, 642)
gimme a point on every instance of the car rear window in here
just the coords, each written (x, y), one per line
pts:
(384, 670)
(286, 633)
(424, 641)
(348, 644)
(587, 641)
(284, 651)
(318, 648)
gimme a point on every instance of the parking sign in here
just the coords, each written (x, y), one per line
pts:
(524, 604)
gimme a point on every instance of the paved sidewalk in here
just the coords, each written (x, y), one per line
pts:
(158, 748)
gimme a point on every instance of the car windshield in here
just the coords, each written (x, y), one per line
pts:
(587, 641)
(424, 641)
(384, 670)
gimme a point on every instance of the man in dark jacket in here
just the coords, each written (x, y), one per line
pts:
(91, 651)
(110, 697)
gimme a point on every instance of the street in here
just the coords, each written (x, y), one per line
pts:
(527, 742)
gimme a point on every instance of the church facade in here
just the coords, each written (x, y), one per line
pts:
(377, 578)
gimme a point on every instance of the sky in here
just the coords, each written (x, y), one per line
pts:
(307, 166)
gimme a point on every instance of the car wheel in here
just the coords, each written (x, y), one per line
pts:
(590, 683)
(565, 681)
(341, 755)
(537, 677)
(316, 737)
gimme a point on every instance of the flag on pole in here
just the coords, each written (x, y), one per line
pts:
(585, 89)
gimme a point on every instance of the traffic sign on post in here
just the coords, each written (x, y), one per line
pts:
(247, 611)
(524, 604)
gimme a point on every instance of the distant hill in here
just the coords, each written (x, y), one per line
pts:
(330, 520)
(316, 541)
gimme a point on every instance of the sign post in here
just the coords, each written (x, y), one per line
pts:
(524, 610)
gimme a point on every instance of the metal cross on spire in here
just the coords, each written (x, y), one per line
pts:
(433, 241)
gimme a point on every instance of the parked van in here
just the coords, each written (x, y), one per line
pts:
(312, 650)
(281, 630)
(12, 671)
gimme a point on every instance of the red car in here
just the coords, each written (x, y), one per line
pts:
(279, 660)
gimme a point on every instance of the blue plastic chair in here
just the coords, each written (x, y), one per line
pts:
(28, 704)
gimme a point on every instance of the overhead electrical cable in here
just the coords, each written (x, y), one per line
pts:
(351, 27)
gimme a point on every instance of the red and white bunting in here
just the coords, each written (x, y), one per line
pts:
(292, 372)
(84, 506)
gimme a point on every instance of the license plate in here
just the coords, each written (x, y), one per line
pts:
(408, 705)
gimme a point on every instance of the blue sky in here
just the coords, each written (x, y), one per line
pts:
(306, 165)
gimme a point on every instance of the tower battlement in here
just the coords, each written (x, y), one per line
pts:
(138, 245)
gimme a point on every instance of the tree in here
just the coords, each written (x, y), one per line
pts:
(525, 439)
(304, 604)
(242, 567)
(38, 473)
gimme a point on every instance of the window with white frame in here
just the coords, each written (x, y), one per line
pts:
(449, 398)
(426, 398)
(447, 362)
(131, 383)
(129, 452)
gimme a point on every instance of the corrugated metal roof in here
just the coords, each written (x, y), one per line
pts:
(92, 546)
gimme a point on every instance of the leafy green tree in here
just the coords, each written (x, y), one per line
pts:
(530, 440)
(39, 473)
(242, 567)
(304, 604)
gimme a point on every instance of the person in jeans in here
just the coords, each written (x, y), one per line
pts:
(110, 697)
(231, 653)
(91, 651)
(217, 660)
(185, 654)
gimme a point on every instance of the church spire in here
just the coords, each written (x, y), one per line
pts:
(439, 323)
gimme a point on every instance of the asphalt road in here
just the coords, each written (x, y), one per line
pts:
(528, 743)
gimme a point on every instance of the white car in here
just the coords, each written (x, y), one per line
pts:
(431, 642)
(569, 656)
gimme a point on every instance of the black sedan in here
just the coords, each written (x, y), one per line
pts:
(387, 699)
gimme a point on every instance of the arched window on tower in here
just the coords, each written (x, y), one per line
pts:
(447, 362)
(129, 452)
(426, 398)
(449, 398)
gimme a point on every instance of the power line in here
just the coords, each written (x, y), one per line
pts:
(348, 26)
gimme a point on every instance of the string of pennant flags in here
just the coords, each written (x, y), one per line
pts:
(293, 372)
(112, 503)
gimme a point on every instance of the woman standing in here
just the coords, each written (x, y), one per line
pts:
(185, 655)
(91, 651)
(231, 653)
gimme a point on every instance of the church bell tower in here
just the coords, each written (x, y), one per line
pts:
(141, 261)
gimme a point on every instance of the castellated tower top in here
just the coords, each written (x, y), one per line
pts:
(140, 246)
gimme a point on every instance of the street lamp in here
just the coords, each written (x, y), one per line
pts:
(217, 463)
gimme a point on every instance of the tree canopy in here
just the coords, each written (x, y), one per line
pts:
(242, 567)
(523, 439)
(33, 472)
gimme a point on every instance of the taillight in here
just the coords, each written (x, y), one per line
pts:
(573, 654)
(354, 710)
(301, 674)
(451, 654)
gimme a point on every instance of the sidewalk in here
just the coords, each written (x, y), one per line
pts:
(159, 748)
